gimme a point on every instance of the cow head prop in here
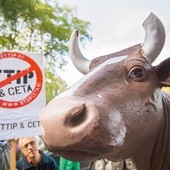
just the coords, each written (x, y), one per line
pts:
(116, 110)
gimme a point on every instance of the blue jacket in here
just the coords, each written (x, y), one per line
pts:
(47, 163)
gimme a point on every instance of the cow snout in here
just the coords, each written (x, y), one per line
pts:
(65, 122)
(76, 115)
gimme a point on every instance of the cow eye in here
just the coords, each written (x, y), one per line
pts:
(137, 73)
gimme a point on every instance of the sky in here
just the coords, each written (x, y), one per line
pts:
(116, 25)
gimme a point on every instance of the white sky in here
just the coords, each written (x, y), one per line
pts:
(116, 25)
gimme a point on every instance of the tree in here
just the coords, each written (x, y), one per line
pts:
(54, 85)
(38, 26)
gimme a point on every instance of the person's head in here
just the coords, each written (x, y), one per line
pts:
(29, 146)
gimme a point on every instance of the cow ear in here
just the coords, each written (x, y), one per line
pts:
(163, 73)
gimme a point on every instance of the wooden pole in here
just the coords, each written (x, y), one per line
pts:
(12, 154)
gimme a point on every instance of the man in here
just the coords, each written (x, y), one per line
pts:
(33, 158)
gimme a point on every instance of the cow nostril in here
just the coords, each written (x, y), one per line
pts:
(76, 117)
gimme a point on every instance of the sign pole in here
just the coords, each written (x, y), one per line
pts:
(12, 154)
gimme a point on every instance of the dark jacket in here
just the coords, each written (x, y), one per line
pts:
(46, 163)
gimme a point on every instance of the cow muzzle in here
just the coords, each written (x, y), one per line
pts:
(66, 122)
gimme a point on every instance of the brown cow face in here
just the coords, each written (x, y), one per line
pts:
(116, 110)
(108, 113)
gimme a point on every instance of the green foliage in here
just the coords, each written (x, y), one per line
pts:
(38, 26)
(54, 85)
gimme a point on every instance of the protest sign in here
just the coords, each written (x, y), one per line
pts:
(22, 94)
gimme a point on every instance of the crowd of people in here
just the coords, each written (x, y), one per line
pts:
(32, 155)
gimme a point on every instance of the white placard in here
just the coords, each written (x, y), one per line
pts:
(22, 94)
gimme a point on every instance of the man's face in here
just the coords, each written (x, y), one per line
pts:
(29, 147)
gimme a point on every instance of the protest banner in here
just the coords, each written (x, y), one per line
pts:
(22, 94)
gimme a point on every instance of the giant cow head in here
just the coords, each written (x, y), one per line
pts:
(116, 110)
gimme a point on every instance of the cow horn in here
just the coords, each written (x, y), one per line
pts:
(80, 62)
(154, 37)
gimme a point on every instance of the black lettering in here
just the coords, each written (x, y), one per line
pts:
(17, 90)
(9, 72)
(11, 91)
(23, 87)
(33, 124)
(38, 123)
(19, 79)
(29, 88)
(29, 124)
(31, 75)
(14, 125)
(3, 126)
(8, 126)
(25, 78)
